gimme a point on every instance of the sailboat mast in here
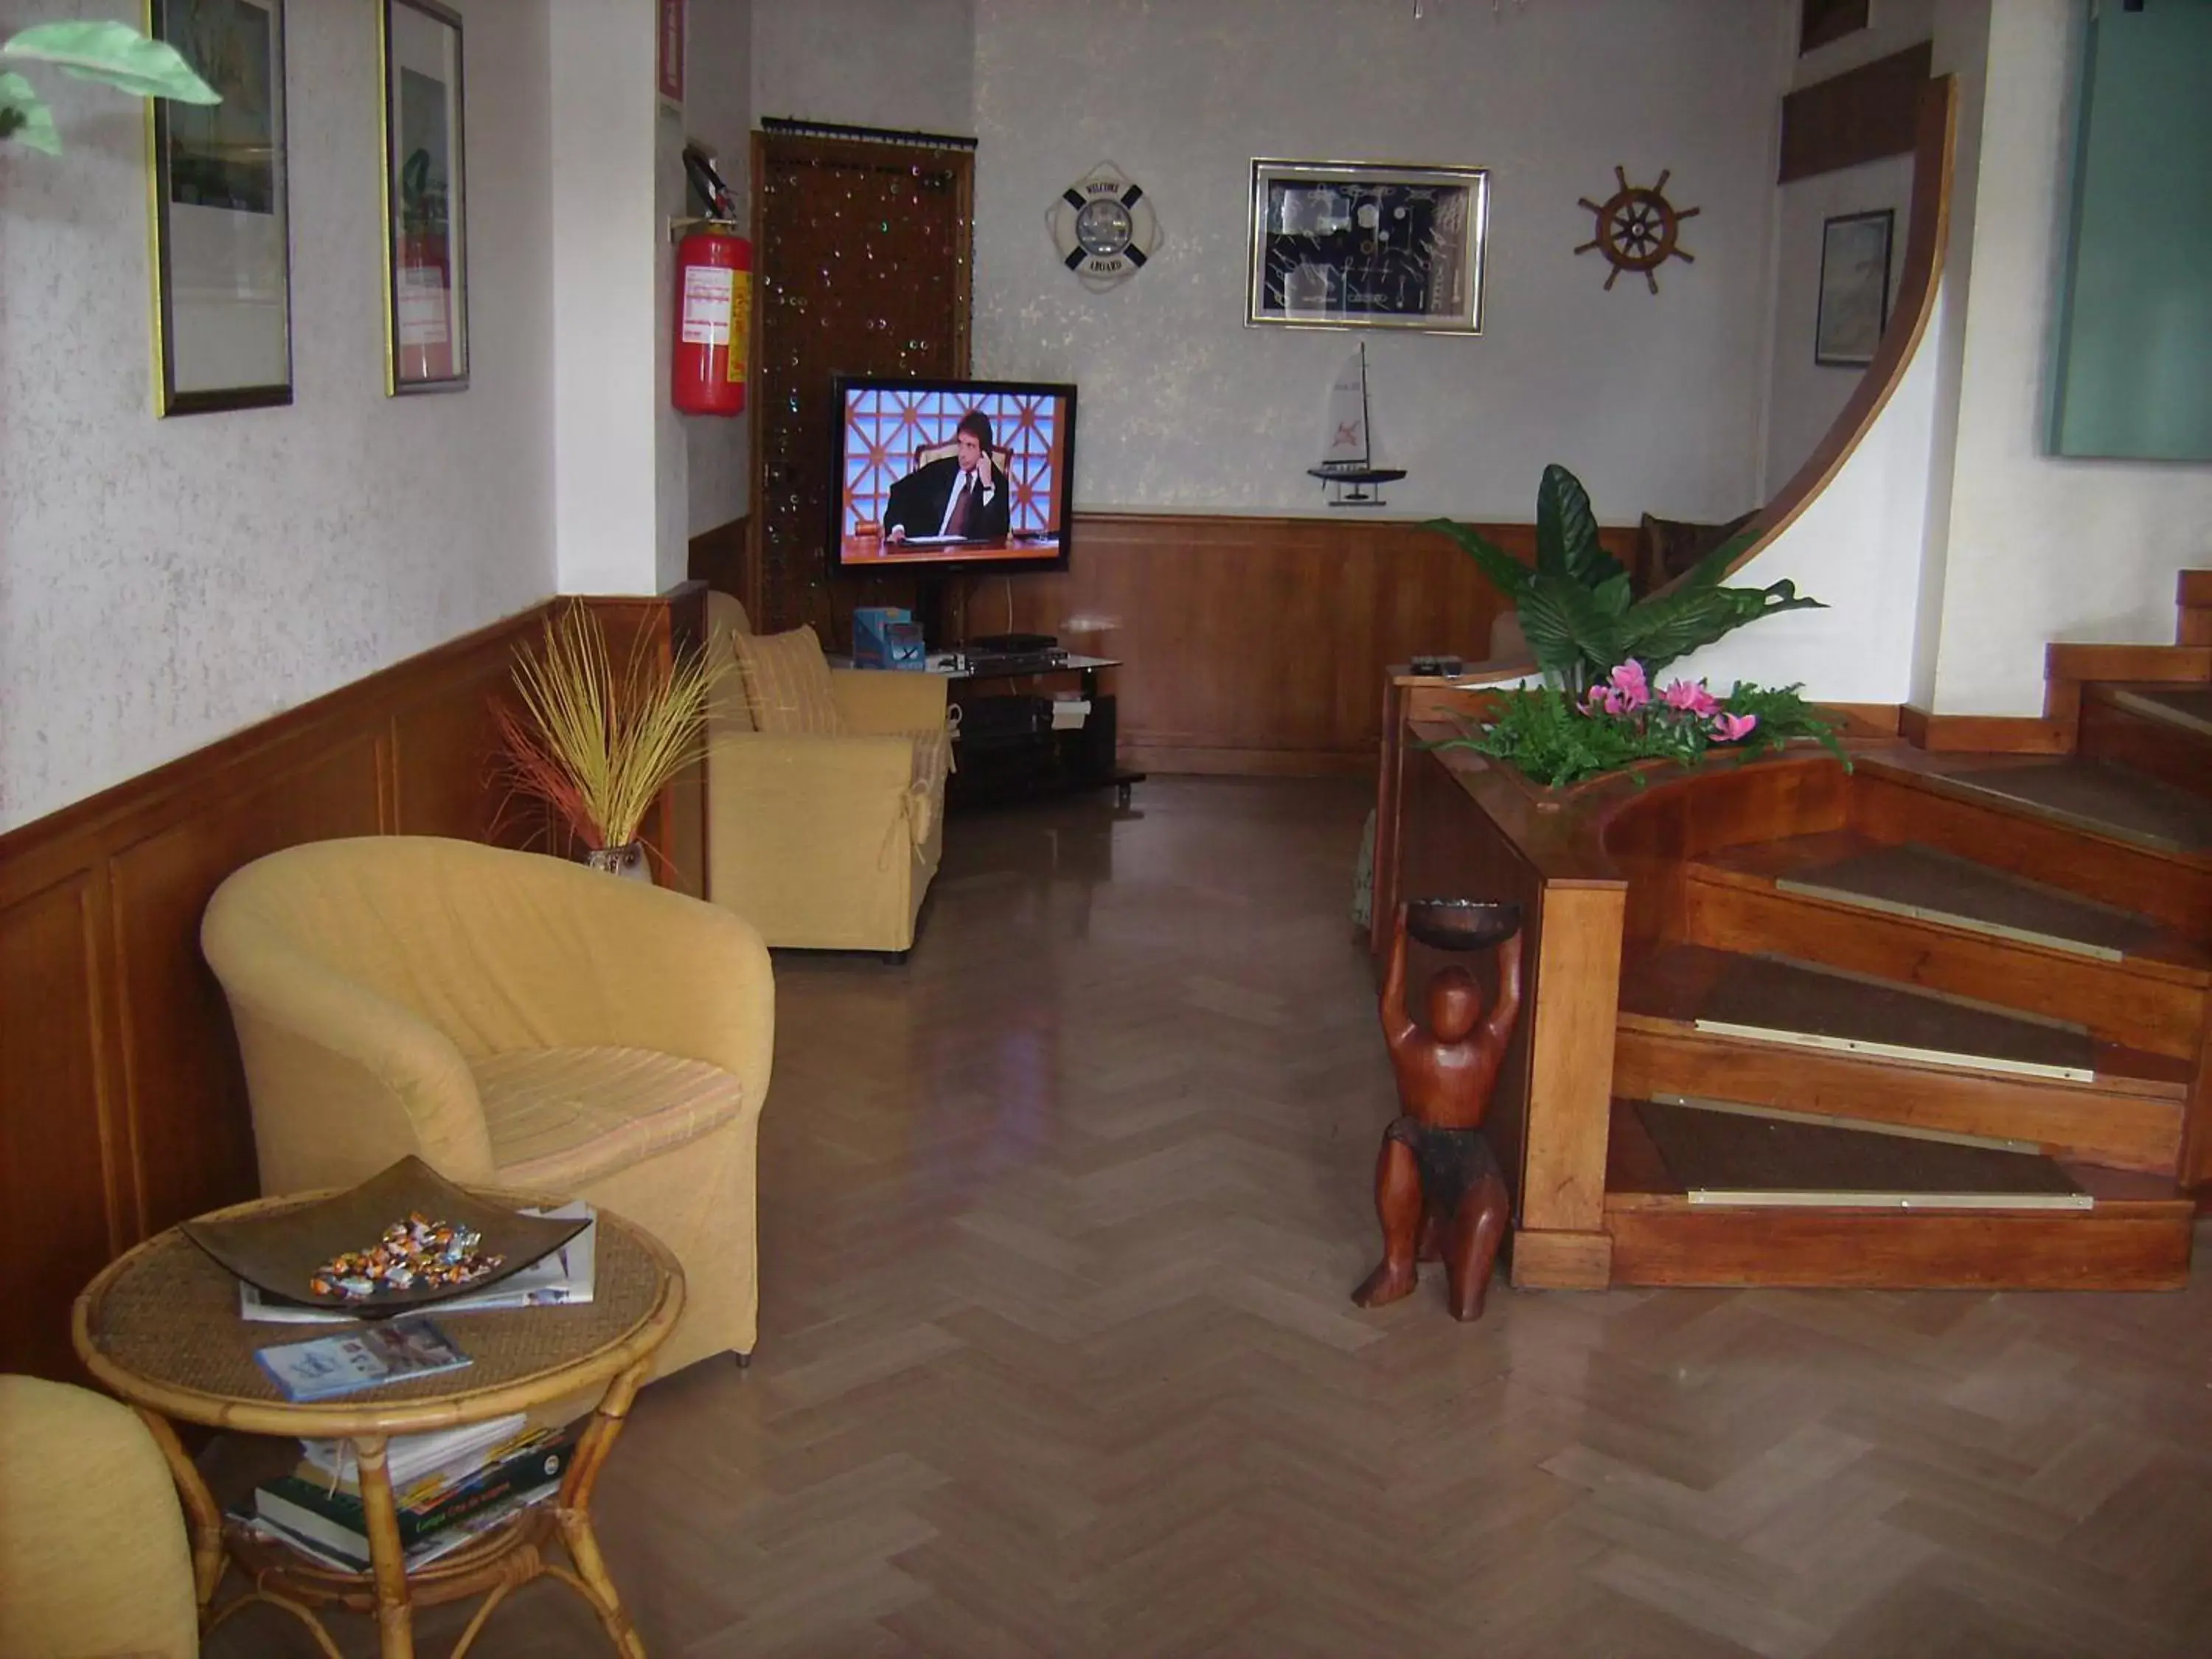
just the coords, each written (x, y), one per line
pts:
(1366, 431)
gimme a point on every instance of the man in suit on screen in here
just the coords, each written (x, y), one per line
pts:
(962, 497)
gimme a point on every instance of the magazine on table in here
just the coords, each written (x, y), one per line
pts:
(563, 1278)
(369, 1357)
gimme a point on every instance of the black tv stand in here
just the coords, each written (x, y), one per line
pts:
(1016, 761)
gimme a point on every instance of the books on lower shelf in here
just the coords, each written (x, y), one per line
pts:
(564, 1278)
(328, 1521)
(413, 1461)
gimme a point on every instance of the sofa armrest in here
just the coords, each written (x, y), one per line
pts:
(879, 701)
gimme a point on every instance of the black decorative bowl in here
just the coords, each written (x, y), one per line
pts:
(279, 1253)
(1461, 924)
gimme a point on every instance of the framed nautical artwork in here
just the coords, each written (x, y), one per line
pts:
(1854, 305)
(1368, 244)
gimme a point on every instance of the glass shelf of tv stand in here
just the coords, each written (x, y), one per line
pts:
(961, 665)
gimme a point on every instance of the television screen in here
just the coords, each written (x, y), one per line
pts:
(944, 476)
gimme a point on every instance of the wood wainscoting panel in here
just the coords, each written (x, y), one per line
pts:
(193, 1139)
(1256, 644)
(64, 1171)
(123, 1107)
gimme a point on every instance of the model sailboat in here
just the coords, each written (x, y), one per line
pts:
(1348, 461)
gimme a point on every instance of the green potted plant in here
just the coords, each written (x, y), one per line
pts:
(1599, 648)
(113, 54)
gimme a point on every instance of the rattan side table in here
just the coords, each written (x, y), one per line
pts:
(161, 1327)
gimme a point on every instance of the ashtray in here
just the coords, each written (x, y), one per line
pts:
(278, 1253)
(1458, 924)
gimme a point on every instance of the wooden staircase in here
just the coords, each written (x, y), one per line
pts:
(1943, 1020)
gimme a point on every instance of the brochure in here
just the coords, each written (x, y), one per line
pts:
(398, 1351)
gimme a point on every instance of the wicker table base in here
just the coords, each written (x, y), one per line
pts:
(161, 1327)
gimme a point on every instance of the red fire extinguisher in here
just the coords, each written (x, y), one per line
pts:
(713, 320)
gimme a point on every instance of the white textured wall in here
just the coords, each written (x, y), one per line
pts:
(163, 583)
(1804, 397)
(1858, 548)
(607, 233)
(902, 64)
(2041, 548)
(1654, 402)
(718, 112)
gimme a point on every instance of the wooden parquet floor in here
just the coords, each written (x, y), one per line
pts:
(1058, 1224)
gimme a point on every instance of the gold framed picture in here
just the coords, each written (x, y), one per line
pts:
(1368, 244)
(426, 270)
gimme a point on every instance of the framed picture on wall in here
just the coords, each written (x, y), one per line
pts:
(426, 270)
(223, 264)
(1361, 245)
(1854, 288)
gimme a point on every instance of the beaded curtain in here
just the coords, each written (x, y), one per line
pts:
(864, 270)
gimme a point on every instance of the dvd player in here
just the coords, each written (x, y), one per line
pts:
(1005, 663)
(1011, 645)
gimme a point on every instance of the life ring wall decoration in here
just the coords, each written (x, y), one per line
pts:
(1104, 227)
(1638, 229)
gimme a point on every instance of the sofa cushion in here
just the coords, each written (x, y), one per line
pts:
(560, 1118)
(788, 683)
(1667, 547)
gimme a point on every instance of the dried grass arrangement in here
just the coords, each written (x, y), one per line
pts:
(596, 747)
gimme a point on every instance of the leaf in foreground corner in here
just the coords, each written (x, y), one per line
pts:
(115, 54)
(25, 117)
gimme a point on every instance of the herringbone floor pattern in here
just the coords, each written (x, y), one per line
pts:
(1059, 1222)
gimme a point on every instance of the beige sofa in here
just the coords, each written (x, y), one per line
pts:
(822, 841)
(513, 1019)
(94, 1560)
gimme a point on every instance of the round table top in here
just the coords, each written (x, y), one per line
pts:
(161, 1327)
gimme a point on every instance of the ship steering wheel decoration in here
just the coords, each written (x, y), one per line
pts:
(1105, 227)
(1638, 229)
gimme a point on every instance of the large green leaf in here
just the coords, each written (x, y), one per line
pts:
(1671, 625)
(115, 54)
(1566, 530)
(1507, 573)
(25, 117)
(1570, 633)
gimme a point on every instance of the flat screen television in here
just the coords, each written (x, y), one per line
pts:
(944, 477)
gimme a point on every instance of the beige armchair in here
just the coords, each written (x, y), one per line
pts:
(94, 1560)
(819, 840)
(513, 1019)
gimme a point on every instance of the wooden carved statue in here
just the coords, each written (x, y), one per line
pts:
(1437, 1188)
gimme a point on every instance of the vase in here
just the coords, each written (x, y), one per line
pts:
(627, 860)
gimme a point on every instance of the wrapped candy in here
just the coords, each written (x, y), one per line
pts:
(412, 1252)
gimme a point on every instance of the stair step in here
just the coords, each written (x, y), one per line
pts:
(2084, 795)
(2118, 1231)
(2187, 707)
(1929, 884)
(1729, 1153)
(1922, 916)
(2160, 730)
(1697, 1021)
(1773, 999)
(1904, 795)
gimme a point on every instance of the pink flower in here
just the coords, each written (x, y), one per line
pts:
(1629, 683)
(1731, 728)
(1688, 699)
